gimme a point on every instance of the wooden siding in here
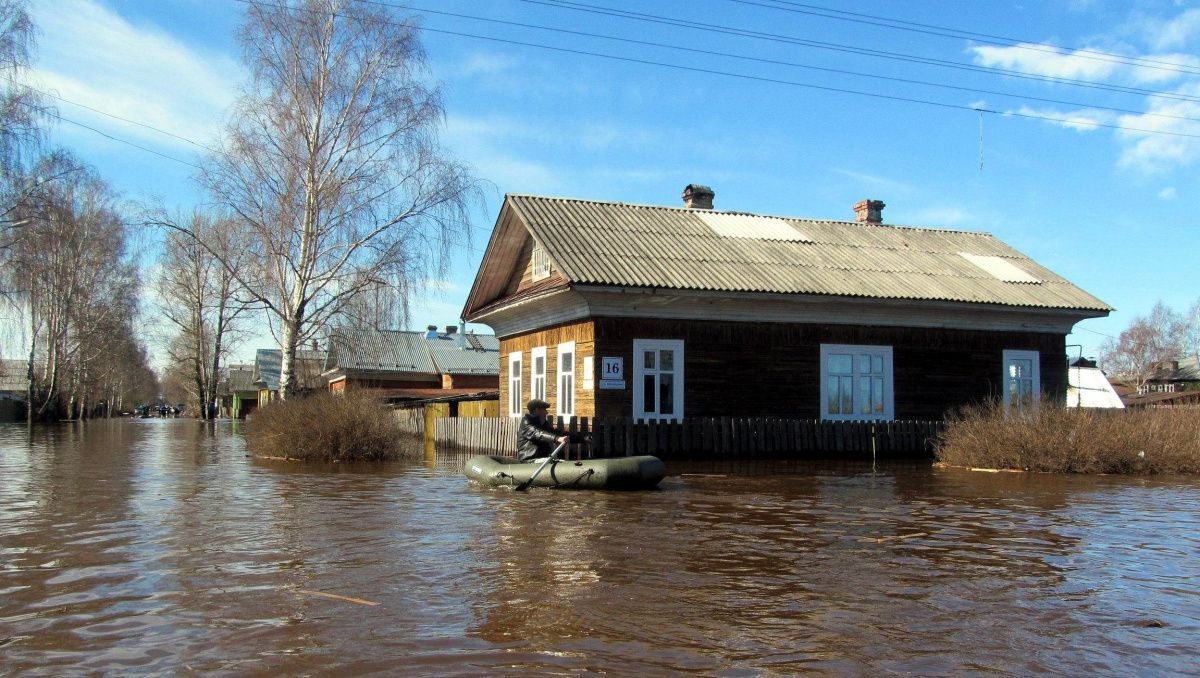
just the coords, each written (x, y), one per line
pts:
(773, 370)
(579, 332)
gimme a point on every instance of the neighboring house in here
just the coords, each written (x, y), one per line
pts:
(407, 365)
(1171, 376)
(1087, 386)
(268, 364)
(239, 395)
(612, 309)
(14, 389)
(1170, 383)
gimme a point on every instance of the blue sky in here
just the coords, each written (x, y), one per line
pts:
(794, 127)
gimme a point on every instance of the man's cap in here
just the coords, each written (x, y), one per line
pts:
(537, 404)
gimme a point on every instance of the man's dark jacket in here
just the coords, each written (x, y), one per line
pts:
(535, 438)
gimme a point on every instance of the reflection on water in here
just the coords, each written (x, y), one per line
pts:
(158, 546)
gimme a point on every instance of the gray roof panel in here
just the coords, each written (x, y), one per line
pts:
(606, 243)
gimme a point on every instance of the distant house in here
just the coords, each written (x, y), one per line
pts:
(407, 365)
(1087, 386)
(239, 395)
(268, 365)
(1170, 383)
(660, 313)
(14, 389)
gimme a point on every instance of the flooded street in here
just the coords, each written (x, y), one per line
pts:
(159, 547)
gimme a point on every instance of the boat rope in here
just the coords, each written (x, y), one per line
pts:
(578, 478)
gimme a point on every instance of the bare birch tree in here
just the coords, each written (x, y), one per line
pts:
(197, 300)
(332, 163)
(1147, 341)
(21, 113)
(75, 282)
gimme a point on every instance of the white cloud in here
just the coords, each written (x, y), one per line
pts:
(873, 182)
(92, 56)
(1085, 64)
(1035, 59)
(1081, 121)
(1153, 143)
(486, 64)
(1167, 193)
(1174, 33)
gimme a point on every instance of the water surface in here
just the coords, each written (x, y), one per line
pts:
(158, 547)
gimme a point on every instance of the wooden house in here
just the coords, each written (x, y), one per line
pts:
(14, 389)
(406, 365)
(608, 309)
(238, 393)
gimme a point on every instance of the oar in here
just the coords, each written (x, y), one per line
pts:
(525, 485)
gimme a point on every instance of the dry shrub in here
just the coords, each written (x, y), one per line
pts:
(1057, 439)
(325, 427)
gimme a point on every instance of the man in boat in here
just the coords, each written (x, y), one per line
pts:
(535, 438)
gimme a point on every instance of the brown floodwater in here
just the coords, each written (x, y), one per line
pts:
(158, 547)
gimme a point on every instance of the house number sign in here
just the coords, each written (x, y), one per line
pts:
(612, 373)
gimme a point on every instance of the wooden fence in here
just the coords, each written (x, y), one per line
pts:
(702, 438)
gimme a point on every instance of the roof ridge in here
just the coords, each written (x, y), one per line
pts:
(675, 208)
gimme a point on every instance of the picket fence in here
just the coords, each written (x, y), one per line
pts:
(699, 438)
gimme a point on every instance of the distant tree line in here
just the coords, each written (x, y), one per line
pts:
(332, 203)
(68, 271)
(1162, 335)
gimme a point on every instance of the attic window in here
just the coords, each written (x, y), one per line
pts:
(541, 263)
(732, 225)
(1000, 268)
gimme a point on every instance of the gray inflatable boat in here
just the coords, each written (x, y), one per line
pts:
(615, 473)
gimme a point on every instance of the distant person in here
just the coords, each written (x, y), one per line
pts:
(535, 438)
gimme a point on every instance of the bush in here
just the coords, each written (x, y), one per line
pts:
(325, 427)
(1056, 439)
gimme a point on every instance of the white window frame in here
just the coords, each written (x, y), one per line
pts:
(539, 263)
(566, 381)
(1011, 355)
(537, 381)
(639, 378)
(515, 406)
(889, 386)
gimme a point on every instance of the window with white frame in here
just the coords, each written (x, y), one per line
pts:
(566, 379)
(537, 370)
(856, 383)
(514, 384)
(1022, 379)
(540, 268)
(658, 379)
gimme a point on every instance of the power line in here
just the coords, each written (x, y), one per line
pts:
(777, 62)
(58, 116)
(848, 49)
(110, 115)
(985, 38)
(792, 83)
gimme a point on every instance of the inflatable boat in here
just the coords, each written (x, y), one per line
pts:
(615, 473)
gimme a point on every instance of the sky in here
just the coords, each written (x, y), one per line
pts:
(1069, 129)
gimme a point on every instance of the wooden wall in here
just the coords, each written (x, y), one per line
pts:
(581, 333)
(769, 369)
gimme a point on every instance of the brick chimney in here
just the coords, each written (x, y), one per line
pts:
(698, 197)
(869, 211)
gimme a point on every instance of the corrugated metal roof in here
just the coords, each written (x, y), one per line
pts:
(240, 378)
(479, 355)
(385, 350)
(410, 351)
(268, 366)
(606, 243)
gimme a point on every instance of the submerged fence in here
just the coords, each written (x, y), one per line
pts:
(700, 438)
